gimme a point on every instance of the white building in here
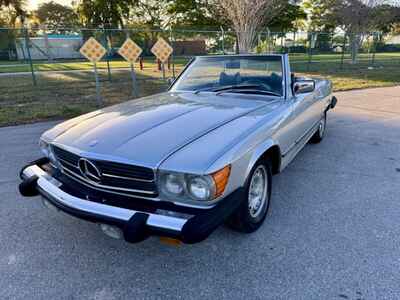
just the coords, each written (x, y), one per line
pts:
(52, 47)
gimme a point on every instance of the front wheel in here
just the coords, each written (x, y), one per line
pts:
(252, 212)
(320, 133)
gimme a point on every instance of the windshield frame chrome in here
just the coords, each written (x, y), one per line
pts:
(190, 63)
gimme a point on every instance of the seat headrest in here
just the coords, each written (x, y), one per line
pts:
(225, 79)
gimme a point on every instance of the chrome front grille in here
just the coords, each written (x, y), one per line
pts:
(113, 176)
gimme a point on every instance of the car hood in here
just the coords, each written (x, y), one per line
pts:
(147, 131)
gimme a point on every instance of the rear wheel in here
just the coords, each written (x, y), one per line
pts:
(320, 133)
(252, 212)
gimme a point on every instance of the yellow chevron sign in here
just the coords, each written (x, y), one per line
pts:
(162, 50)
(92, 50)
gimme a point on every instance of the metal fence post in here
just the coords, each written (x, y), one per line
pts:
(98, 94)
(172, 54)
(21, 46)
(163, 70)
(309, 51)
(47, 44)
(106, 40)
(223, 40)
(294, 41)
(374, 42)
(343, 51)
(134, 84)
(27, 44)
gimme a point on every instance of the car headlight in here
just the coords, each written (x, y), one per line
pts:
(48, 152)
(172, 184)
(201, 187)
(180, 186)
(44, 147)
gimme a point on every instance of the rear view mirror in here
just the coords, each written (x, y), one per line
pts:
(302, 86)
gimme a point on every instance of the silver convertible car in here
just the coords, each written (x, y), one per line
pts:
(180, 163)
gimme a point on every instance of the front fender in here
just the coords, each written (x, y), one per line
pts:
(258, 152)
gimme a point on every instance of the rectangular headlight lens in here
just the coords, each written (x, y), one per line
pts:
(48, 152)
(180, 186)
(44, 147)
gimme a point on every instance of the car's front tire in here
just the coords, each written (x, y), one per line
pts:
(320, 133)
(252, 212)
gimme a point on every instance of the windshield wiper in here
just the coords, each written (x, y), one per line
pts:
(236, 86)
(240, 88)
(250, 91)
(227, 87)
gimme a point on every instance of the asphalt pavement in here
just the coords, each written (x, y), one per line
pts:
(333, 231)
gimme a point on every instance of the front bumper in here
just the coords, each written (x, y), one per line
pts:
(136, 225)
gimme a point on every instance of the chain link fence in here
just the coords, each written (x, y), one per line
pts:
(43, 75)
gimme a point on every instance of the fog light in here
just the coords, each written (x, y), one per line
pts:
(112, 231)
(170, 241)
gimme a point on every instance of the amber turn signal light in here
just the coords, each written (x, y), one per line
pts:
(221, 179)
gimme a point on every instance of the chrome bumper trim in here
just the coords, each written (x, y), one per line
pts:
(51, 190)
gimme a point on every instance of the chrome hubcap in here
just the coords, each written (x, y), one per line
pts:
(322, 127)
(258, 191)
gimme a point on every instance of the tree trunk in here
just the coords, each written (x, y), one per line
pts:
(47, 46)
(355, 40)
(246, 41)
(237, 45)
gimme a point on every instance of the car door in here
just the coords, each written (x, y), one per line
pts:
(303, 114)
(323, 90)
(300, 122)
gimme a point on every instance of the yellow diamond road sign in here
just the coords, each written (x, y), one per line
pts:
(92, 50)
(162, 50)
(130, 51)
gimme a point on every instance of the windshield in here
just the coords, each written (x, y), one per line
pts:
(239, 74)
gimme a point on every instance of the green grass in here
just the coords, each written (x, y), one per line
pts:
(17, 66)
(337, 57)
(67, 94)
(385, 72)
(65, 65)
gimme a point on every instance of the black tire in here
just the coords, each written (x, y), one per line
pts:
(242, 219)
(320, 133)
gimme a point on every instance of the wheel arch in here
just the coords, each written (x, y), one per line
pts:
(268, 150)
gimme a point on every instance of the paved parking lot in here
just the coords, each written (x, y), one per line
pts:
(333, 231)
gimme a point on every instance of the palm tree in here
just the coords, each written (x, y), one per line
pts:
(17, 5)
(103, 13)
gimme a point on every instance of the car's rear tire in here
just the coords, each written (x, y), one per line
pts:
(320, 133)
(252, 212)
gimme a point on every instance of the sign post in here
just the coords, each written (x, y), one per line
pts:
(162, 50)
(313, 40)
(96, 77)
(172, 56)
(28, 51)
(130, 51)
(94, 51)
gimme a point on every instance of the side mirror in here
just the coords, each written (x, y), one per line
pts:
(303, 86)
